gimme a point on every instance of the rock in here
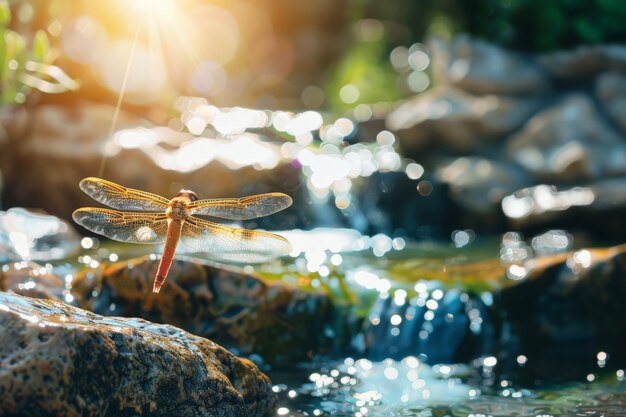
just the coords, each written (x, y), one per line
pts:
(584, 61)
(600, 203)
(31, 280)
(478, 185)
(569, 142)
(236, 309)
(483, 68)
(58, 360)
(569, 307)
(25, 234)
(449, 117)
(438, 327)
(610, 88)
(425, 213)
(43, 165)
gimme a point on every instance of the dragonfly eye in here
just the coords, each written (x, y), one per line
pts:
(189, 194)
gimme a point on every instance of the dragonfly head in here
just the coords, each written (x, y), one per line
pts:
(189, 194)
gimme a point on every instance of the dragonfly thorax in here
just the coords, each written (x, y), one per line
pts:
(177, 209)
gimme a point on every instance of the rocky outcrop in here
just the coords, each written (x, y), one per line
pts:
(596, 203)
(565, 309)
(569, 142)
(482, 68)
(479, 184)
(610, 89)
(58, 146)
(584, 61)
(236, 309)
(553, 120)
(451, 118)
(57, 360)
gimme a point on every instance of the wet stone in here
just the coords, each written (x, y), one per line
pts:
(478, 186)
(455, 119)
(569, 307)
(238, 310)
(453, 328)
(584, 61)
(424, 212)
(610, 88)
(58, 360)
(31, 280)
(600, 203)
(28, 235)
(483, 68)
(569, 141)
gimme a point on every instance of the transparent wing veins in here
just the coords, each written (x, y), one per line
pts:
(150, 228)
(232, 244)
(243, 208)
(122, 198)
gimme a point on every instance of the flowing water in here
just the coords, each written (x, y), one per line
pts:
(420, 305)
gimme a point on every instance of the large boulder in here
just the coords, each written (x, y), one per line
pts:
(58, 360)
(479, 67)
(239, 310)
(567, 310)
(569, 141)
(478, 185)
(596, 207)
(458, 120)
(584, 61)
(610, 89)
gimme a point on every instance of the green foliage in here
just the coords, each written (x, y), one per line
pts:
(5, 13)
(25, 65)
(530, 25)
(366, 66)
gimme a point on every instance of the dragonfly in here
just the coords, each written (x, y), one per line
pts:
(151, 219)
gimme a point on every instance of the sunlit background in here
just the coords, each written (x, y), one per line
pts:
(445, 158)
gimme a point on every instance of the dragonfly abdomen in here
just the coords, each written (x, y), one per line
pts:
(174, 228)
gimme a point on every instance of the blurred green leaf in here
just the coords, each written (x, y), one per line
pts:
(41, 46)
(5, 13)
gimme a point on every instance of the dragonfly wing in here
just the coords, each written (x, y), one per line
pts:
(122, 198)
(244, 208)
(232, 244)
(124, 227)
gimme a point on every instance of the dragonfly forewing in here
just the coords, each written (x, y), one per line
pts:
(122, 198)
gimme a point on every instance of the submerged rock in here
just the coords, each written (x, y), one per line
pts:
(236, 309)
(58, 360)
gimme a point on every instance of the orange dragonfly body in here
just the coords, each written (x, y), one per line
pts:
(153, 219)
